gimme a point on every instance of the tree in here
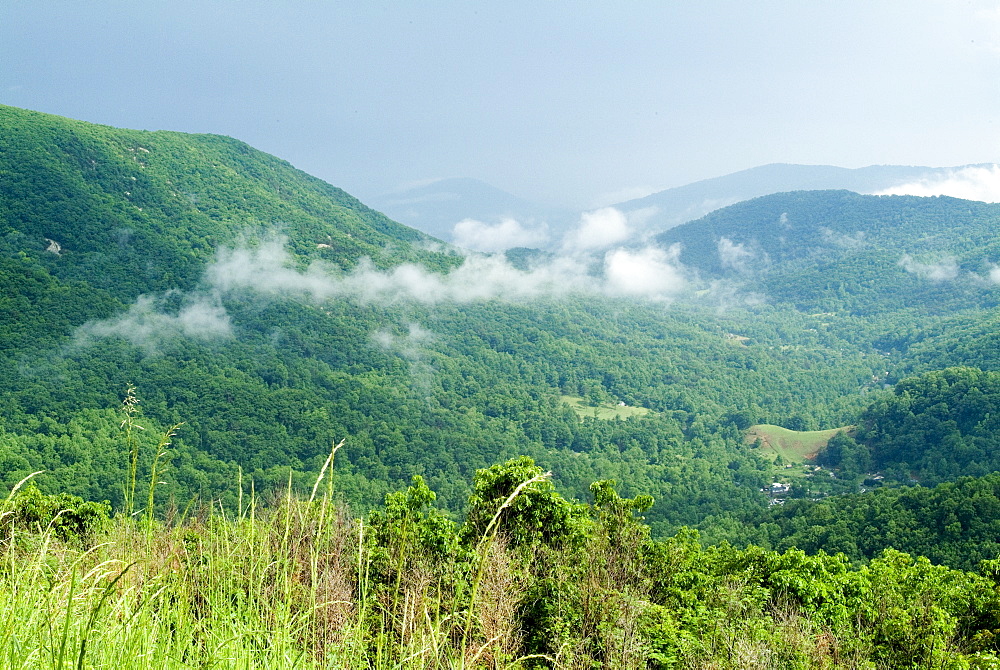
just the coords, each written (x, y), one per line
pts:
(518, 500)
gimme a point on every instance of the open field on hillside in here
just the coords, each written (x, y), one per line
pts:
(604, 411)
(793, 446)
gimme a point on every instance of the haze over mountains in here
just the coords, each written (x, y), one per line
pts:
(475, 215)
(273, 314)
(252, 416)
(439, 208)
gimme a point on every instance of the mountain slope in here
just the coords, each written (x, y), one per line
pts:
(117, 213)
(272, 315)
(836, 250)
(675, 206)
(101, 190)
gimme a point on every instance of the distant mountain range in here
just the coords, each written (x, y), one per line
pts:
(838, 250)
(438, 207)
(268, 315)
(674, 206)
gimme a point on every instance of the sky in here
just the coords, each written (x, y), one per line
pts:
(576, 104)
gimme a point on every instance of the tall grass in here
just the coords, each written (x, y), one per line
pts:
(211, 592)
(282, 585)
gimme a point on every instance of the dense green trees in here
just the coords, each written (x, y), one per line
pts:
(830, 309)
(599, 589)
(807, 337)
(933, 427)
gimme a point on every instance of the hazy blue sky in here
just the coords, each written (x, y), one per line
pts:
(574, 103)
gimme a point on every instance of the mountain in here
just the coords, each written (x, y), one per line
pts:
(260, 315)
(494, 220)
(674, 206)
(271, 314)
(190, 327)
(437, 207)
(837, 250)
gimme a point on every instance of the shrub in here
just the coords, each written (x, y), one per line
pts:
(68, 516)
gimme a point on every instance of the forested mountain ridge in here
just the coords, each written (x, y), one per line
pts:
(933, 428)
(902, 274)
(854, 240)
(272, 314)
(117, 213)
(58, 171)
(681, 204)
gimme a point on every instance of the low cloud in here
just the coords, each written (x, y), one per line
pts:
(970, 183)
(640, 218)
(268, 269)
(843, 240)
(644, 222)
(599, 229)
(727, 294)
(148, 323)
(945, 270)
(411, 347)
(651, 273)
(509, 233)
(735, 255)
(995, 274)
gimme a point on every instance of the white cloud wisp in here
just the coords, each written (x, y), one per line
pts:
(597, 230)
(734, 255)
(509, 233)
(267, 269)
(147, 325)
(945, 270)
(969, 183)
(650, 273)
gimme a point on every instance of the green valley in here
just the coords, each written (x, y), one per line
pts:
(546, 460)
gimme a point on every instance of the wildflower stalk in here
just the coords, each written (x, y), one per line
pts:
(130, 407)
(322, 472)
(154, 474)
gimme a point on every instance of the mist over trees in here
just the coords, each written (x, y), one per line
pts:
(251, 316)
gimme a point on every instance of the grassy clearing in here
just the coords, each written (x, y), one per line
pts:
(793, 446)
(741, 340)
(605, 411)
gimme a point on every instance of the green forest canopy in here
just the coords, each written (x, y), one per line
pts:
(265, 379)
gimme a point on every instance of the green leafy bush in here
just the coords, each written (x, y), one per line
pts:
(68, 516)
